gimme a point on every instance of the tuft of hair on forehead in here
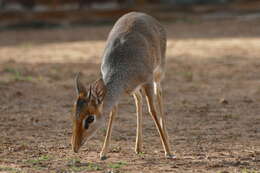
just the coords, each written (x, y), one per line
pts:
(98, 90)
(79, 106)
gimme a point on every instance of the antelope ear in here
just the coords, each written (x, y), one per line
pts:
(80, 89)
(99, 90)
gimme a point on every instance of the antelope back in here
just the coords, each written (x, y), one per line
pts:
(135, 51)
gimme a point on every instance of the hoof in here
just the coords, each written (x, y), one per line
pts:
(170, 156)
(103, 157)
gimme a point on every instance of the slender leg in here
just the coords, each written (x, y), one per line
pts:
(161, 110)
(139, 133)
(108, 134)
(150, 101)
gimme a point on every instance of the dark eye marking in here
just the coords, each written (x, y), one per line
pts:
(87, 121)
(80, 104)
(86, 125)
(90, 119)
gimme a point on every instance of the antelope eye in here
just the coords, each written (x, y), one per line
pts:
(87, 121)
(90, 119)
(85, 125)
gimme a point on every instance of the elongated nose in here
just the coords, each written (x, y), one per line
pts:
(75, 144)
(75, 149)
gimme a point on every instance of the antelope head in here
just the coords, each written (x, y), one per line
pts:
(87, 117)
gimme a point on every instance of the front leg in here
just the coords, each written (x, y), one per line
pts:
(108, 134)
(139, 134)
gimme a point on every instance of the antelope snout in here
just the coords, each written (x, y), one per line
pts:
(75, 145)
(75, 149)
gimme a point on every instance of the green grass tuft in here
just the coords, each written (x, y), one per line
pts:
(16, 75)
(39, 159)
(9, 169)
(76, 166)
(117, 165)
(245, 170)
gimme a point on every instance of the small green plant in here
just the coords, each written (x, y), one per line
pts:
(39, 159)
(230, 116)
(10, 70)
(93, 167)
(245, 170)
(39, 163)
(103, 130)
(9, 169)
(116, 165)
(17, 76)
(73, 161)
(188, 76)
(141, 154)
(78, 169)
(76, 166)
(89, 167)
(26, 45)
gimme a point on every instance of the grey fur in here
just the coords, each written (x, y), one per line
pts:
(134, 55)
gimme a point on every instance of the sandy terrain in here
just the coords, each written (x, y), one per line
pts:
(211, 89)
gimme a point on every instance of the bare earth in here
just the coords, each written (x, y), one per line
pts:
(211, 89)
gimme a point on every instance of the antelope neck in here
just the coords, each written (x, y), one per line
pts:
(115, 89)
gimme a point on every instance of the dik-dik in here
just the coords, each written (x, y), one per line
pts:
(133, 63)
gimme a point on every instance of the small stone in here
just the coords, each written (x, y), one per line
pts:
(103, 157)
(224, 172)
(18, 93)
(74, 163)
(223, 101)
(247, 100)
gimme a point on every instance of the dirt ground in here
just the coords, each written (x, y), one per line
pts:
(211, 89)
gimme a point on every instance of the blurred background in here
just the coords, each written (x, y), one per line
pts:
(42, 13)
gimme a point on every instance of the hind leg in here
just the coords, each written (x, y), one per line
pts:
(158, 93)
(149, 92)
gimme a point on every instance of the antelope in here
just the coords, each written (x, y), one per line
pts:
(133, 63)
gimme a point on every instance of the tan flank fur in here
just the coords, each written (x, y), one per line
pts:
(133, 63)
